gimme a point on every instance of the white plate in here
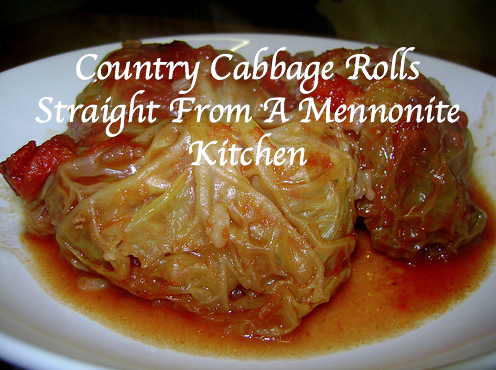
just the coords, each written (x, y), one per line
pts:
(37, 332)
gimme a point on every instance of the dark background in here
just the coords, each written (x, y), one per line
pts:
(462, 31)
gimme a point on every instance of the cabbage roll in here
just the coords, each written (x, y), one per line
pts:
(412, 174)
(256, 247)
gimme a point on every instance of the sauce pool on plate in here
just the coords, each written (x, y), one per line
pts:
(382, 299)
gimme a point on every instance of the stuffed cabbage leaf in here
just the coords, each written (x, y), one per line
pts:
(412, 174)
(255, 246)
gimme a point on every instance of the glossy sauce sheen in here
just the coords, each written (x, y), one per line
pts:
(382, 299)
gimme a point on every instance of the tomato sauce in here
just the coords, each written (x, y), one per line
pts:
(383, 298)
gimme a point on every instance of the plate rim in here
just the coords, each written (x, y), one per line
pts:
(491, 355)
